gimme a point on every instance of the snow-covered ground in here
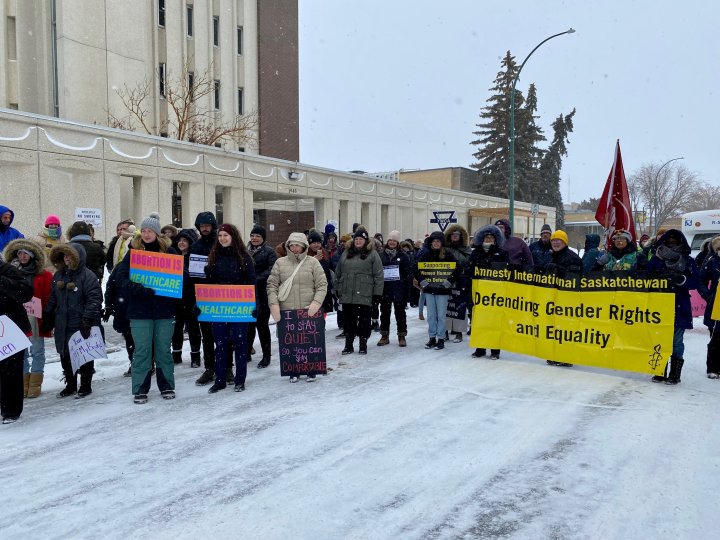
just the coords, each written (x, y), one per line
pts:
(401, 443)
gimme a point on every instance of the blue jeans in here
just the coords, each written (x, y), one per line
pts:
(436, 311)
(224, 333)
(678, 345)
(421, 303)
(37, 351)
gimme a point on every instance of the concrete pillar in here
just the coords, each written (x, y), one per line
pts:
(194, 203)
(248, 201)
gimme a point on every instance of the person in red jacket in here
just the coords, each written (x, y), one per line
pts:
(29, 257)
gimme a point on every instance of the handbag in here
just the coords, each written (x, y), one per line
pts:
(284, 290)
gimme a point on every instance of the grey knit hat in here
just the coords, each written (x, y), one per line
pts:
(151, 222)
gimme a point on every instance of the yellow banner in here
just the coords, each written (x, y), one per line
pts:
(600, 320)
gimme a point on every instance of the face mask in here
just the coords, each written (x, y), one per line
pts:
(486, 245)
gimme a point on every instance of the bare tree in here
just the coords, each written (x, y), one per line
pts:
(705, 197)
(189, 117)
(665, 192)
(637, 204)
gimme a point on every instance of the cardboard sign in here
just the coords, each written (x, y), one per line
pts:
(301, 339)
(225, 303)
(435, 272)
(161, 272)
(392, 273)
(34, 308)
(91, 216)
(12, 339)
(83, 351)
(196, 266)
(697, 304)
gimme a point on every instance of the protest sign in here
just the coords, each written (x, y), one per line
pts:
(34, 307)
(435, 272)
(91, 216)
(12, 339)
(196, 266)
(301, 339)
(161, 272)
(83, 351)
(605, 320)
(225, 303)
(457, 304)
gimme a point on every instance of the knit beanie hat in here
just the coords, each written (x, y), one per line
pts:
(545, 228)
(329, 228)
(622, 234)
(560, 235)
(361, 233)
(27, 252)
(314, 237)
(151, 222)
(259, 229)
(394, 235)
(52, 219)
(226, 227)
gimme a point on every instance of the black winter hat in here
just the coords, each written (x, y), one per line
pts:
(78, 228)
(544, 228)
(314, 237)
(259, 229)
(206, 218)
(188, 234)
(361, 233)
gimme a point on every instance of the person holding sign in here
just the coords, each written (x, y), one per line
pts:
(359, 279)
(487, 252)
(29, 258)
(296, 282)
(185, 316)
(436, 272)
(152, 317)
(14, 292)
(229, 263)
(75, 304)
(456, 242)
(398, 273)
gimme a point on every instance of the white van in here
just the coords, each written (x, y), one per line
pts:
(699, 226)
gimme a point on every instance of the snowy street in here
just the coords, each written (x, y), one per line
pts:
(399, 444)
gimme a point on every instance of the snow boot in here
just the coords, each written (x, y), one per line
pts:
(363, 345)
(384, 339)
(479, 353)
(421, 317)
(128, 373)
(341, 335)
(458, 337)
(440, 345)
(676, 365)
(430, 344)
(194, 359)
(265, 362)
(140, 398)
(35, 387)
(207, 377)
(215, 388)
(177, 357)
(349, 349)
(401, 340)
(26, 384)
(494, 354)
(85, 385)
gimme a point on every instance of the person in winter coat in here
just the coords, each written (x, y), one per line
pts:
(707, 287)
(436, 283)
(413, 293)
(487, 252)
(50, 236)
(116, 253)
(705, 252)
(185, 317)
(541, 249)
(80, 233)
(230, 263)
(116, 307)
(308, 287)
(75, 304)
(206, 224)
(152, 318)
(316, 250)
(29, 258)
(359, 279)
(592, 252)
(516, 248)
(622, 255)
(264, 258)
(398, 273)
(7, 233)
(14, 292)
(672, 257)
(456, 242)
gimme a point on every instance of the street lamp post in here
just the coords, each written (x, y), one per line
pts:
(511, 182)
(653, 203)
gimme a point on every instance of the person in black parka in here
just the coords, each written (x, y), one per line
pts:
(185, 317)
(398, 273)
(264, 258)
(81, 233)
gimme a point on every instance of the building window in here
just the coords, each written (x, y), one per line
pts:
(240, 101)
(11, 39)
(161, 78)
(191, 85)
(161, 13)
(216, 31)
(189, 11)
(217, 94)
(239, 39)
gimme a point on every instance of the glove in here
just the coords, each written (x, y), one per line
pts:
(424, 284)
(196, 311)
(313, 308)
(48, 322)
(254, 314)
(106, 314)
(275, 312)
(446, 284)
(85, 328)
(377, 298)
(603, 259)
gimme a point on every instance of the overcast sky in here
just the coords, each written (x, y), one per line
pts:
(399, 84)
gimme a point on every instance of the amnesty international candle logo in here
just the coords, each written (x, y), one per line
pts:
(608, 320)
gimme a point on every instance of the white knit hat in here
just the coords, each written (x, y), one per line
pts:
(394, 235)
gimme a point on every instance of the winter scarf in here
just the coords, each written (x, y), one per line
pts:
(52, 233)
(674, 260)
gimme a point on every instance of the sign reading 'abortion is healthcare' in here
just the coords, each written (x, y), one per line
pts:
(160, 272)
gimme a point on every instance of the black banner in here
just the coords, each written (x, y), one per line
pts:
(301, 340)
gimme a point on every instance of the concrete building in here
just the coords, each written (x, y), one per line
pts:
(52, 166)
(68, 58)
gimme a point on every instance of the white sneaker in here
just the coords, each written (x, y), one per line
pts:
(311, 378)
(293, 379)
(713, 375)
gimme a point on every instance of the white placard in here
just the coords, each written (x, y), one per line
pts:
(12, 339)
(196, 266)
(83, 351)
(392, 273)
(34, 308)
(91, 216)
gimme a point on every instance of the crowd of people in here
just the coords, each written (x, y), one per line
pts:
(51, 286)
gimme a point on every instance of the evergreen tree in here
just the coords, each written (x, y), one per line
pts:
(552, 164)
(528, 155)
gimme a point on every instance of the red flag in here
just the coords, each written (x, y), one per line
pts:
(614, 211)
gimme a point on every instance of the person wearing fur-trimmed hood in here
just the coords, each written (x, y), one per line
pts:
(456, 242)
(75, 304)
(28, 257)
